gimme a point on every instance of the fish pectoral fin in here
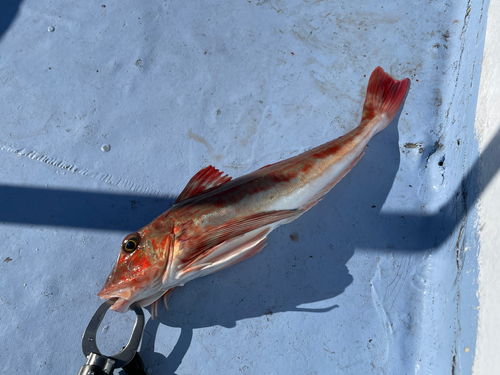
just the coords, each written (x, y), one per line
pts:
(226, 254)
(196, 247)
(206, 179)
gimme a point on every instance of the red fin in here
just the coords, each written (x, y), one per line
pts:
(246, 250)
(251, 251)
(212, 237)
(384, 95)
(205, 179)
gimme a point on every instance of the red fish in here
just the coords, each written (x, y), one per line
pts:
(218, 221)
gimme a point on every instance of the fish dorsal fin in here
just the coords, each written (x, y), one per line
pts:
(207, 178)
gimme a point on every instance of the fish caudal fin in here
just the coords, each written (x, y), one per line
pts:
(384, 96)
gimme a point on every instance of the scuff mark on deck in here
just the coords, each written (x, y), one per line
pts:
(203, 141)
(64, 165)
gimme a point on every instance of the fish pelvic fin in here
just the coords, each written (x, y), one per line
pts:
(206, 179)
(384, 96)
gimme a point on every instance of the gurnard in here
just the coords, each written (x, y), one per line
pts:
(218, 221)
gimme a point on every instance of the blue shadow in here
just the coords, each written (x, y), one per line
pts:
(79, 209)
(8, 12)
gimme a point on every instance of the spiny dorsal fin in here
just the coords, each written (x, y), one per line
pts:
(205, 179)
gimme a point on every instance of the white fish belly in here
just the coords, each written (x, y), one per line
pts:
(306, 194)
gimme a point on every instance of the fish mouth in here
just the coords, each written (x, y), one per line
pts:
(123, 299)
(128, 293)
(121, 305)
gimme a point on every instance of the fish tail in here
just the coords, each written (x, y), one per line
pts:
(384, 97)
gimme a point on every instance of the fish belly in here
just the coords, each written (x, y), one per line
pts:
(307, 193)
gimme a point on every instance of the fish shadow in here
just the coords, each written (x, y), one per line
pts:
(305, 262)
(302, 268)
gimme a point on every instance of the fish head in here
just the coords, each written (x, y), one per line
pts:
(138, 271)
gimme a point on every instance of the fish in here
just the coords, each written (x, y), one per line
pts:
(218, 221)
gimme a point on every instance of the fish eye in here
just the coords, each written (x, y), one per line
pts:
(131, 242)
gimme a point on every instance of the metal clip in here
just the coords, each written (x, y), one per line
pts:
(98, 364)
